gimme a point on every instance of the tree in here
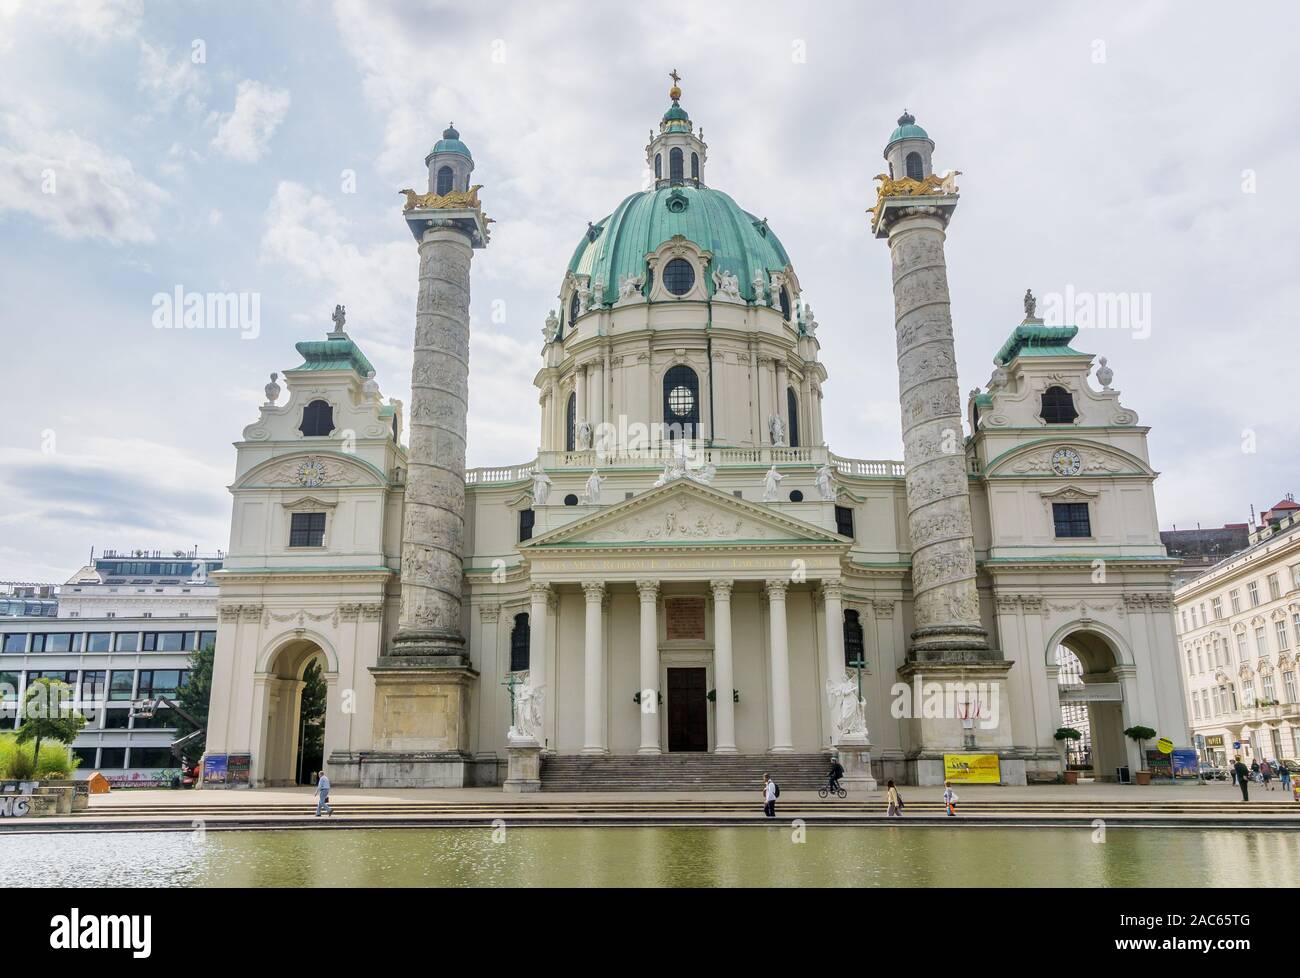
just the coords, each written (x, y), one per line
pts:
(313, 711)
(1141, 735)
(1066, 735)
(193, 699)
(46, 717)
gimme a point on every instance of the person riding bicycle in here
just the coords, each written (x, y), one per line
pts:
(836, 772)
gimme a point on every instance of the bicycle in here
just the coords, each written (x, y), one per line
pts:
(825, 791)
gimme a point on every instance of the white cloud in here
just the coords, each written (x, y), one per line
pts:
(243, 134)
(164, 81)
(75, 187)
(88, 21)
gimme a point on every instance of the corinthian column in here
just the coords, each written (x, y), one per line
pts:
(938, 502)
(433, 527)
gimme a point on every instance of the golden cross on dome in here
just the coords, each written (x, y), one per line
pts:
(674, 76)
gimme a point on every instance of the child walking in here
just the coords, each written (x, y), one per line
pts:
(950, 798)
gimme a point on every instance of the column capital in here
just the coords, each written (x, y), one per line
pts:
(776, 588)
(647, 590)
(489, 612)
(832, 588)
(722, 589)
(883, 608)
(594, 591)
(539, 591)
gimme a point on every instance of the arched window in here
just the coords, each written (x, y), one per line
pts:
(695, 167)
(444, 180)
(575, 304)
(679, 276)
(681, 402)
(915, 168)
(571, 423)
(1058, 406)
(785, 303)
(519, 644)
(853, 648)
(317, 419)
(792, 409)
(659, 165)
(675, 165)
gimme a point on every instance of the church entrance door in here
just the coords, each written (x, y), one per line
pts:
(688, 710)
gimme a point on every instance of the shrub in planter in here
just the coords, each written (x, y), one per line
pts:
(18, 762)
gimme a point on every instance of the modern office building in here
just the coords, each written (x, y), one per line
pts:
(119, 632)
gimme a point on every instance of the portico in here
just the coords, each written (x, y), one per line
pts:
(712, 643)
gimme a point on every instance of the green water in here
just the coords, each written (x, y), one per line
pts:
(667, 856)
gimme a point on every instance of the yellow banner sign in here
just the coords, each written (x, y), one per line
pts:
(972, 768)
(1165, 745)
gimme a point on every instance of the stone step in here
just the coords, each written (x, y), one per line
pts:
(681, 772)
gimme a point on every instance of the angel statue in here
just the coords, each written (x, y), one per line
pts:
(591, 493)
(825, 482)
(771, 484)
(777, 428)
(541, 487)
(848, 713)
(584, 436)
(528, 713)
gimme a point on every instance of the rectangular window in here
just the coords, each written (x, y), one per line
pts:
(1195, 621)
(307, 530)
(93, 688)
(151, 757)
(159, 682)
(1196, 706)
(57, 642)
(1242, 654)
(1253, 590)
(1288, 686)
(1283, 639)
(122, 685)
(99, 642)
(1071, 519)
(526, 519)
(16, 642)
(86, 755)
(207, 640)
(1295, 627)
(1236, 600)
(168, 641)
(1216, 606)
(844, 521)
(1248, 695)
(112, 757)
(1295, 577)
(118, 719)
(128, 641)
(1261, 641)
(1274, 587)
(1268, 686)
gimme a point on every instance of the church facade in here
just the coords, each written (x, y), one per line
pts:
(686, 566)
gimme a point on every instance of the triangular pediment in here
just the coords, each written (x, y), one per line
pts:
(685, 513)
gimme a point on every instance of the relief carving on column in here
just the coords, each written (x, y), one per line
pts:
(884, 608)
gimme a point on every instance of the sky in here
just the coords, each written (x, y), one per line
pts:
(258, 148)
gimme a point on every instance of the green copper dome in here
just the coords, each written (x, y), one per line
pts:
(740, 243)
(450, 143)
(907, 129)
(675, 119)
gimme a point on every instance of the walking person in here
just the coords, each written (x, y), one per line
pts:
(770, 793)
(323, 795)
(1266, 772)
(1243, 777)
(1284, 773)
(949, 799)
(894, 807)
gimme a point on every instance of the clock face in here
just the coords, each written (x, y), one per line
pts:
(1065, 461)
(311, 473)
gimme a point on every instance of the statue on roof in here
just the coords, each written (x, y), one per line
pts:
(340, 315)
(1031, 304)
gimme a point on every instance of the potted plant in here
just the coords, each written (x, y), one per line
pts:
(1064, 736)
(1141, 735)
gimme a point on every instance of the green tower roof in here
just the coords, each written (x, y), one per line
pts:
(739, 242)
(338, 353)
(907, 129)
(1037, 340)
(450, 143)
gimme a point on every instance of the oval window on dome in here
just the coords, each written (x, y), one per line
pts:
(679, 276)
